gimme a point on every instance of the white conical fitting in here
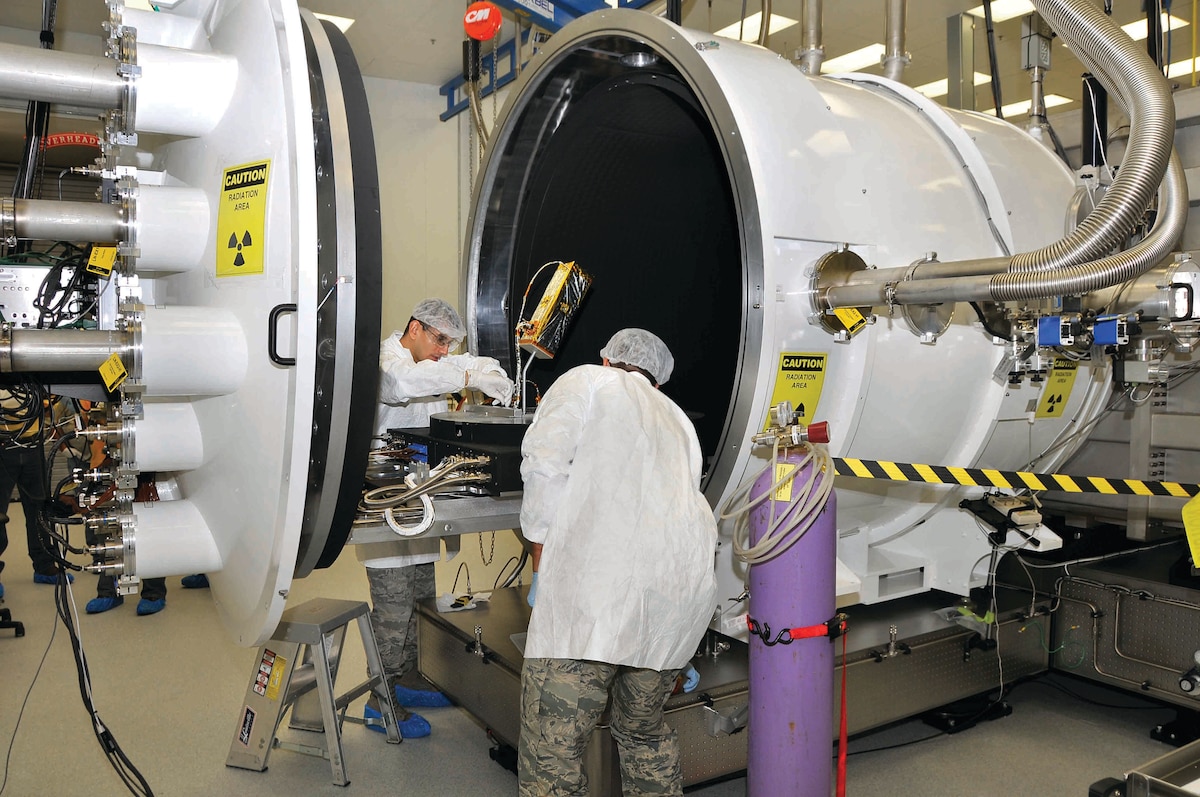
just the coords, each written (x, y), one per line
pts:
(183, 92)
(192, 351)
(172, 539)
(174, 224)
(167, 438)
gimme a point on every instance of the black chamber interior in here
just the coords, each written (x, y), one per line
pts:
(632, 186)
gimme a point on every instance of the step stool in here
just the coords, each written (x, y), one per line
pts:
(304, 653)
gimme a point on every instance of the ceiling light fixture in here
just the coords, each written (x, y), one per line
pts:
(752, 25)
(1022, 107)
(940, 88)
(1137, 30)
(343, 23)
(1182, 68)
(852, 62)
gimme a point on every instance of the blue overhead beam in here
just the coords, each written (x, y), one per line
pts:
(495, 72)
(550, 15)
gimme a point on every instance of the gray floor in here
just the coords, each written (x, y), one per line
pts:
(169, 687)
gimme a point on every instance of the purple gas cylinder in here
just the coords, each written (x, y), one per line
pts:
(791, 685)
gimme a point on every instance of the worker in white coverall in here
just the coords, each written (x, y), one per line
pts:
(623, 551)
(416, 375)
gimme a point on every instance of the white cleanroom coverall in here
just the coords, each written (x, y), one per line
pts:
(612, 472)
(410, 392)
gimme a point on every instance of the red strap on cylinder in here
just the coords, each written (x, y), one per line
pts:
(809, 631)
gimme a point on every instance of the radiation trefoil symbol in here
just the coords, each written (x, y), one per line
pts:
(238, 260)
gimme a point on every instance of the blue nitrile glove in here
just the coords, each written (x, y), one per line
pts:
(532, 589)
(691, 678)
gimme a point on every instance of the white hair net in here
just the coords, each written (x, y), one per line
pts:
(642, 349)
(438, 314)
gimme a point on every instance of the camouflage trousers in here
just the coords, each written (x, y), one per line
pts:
(394, 595)
(561, 703)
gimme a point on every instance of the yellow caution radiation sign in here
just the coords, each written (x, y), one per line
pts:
(800, 378)
(1057, 391)
(242, 219)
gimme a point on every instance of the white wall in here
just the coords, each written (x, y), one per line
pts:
(419, 196)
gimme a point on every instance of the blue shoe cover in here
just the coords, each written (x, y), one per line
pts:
(98, 605)
(414, 727)
(50, 578)
(151, 607)
(421, 698)
(197, 581)
(1, 590)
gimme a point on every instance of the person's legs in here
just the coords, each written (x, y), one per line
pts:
(648, 746)
(393, 597)
(30, 475)
(154, 596)
(561, 703)
(106, 596)
(7, 481)
(394, 593)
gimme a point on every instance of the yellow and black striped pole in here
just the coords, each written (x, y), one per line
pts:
(1007, 479)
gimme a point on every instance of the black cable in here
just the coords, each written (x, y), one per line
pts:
(520, 565)
(462, 568)
(1059, 149)
(20, 714)
(1080, 697)
(992, 64)
(120, 763)
(986, 326)
(58, 545)
(964, 724)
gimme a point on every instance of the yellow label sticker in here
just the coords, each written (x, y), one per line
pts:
(784, 470)
(242, 219)
(851, 319)
(1057, 391)
(275, 682)
(1191, 527)
(101, 260)
(800, 378)
(113, 372)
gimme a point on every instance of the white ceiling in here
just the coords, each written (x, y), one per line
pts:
(420, 40)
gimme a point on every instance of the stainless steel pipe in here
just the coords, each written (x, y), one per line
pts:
(55, 220)
(894, 58)
(58, 350)
(31, 73)
(1077, 263)
(812, 54)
